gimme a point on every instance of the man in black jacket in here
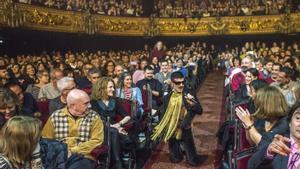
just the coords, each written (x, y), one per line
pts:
(154, 84)
(178, 110)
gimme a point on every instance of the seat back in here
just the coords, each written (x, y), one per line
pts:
(43, 107)
(129, 108)
(102, 152)
(147, 100)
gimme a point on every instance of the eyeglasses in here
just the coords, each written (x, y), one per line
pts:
(96, 77)
(178, 83)
(71, 88)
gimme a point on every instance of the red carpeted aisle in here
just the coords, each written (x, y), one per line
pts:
(205, 128)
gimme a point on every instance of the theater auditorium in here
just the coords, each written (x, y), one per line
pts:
(149, 84)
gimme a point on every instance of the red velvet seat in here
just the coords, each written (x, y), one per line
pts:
(146, 106)
(43, 108)
(99, 150)
(126, 105)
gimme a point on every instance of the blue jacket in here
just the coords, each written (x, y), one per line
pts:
(54, 154)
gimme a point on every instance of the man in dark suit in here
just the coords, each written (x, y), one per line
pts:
(283, 151)
(178, 110)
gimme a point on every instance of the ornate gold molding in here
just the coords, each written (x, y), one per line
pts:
(41, 18)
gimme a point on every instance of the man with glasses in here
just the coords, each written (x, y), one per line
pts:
(76, 125)
(178, 110)
(93, 75)
(50, 90)
(64, 85)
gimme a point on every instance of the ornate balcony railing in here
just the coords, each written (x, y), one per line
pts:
(41, 18)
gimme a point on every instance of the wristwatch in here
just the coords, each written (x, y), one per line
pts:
(249, 127)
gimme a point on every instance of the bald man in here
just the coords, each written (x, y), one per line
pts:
(76, 125)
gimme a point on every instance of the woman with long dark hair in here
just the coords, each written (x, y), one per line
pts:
(126, 90)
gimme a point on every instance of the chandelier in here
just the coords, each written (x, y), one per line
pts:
(12, 15)
(152, 29)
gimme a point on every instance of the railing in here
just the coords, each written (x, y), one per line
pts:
(47, 19)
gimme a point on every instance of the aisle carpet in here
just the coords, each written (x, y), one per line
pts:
(205, 128)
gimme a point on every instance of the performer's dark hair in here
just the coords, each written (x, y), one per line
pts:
(176, 75)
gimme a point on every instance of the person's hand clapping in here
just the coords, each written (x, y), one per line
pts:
(244, 116)
(279, 146)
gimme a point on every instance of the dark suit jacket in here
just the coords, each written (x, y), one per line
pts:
(192, 110)
(29, 106)
(259, 160)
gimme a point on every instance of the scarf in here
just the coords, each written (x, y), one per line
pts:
(168, 126)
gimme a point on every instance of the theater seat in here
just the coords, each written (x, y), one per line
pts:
(126, 105)
(43, 108)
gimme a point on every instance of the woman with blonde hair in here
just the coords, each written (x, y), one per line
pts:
(22, 148)
(271, 107)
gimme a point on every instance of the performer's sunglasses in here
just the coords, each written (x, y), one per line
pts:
(178, 83)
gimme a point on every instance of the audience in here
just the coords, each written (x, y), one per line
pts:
(174, 8)
(262, 80)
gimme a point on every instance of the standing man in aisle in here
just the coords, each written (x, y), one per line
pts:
(178, 110)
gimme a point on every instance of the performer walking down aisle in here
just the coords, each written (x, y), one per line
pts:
(178, 110)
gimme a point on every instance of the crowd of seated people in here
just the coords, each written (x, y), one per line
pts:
(200, 9)
(102, 7)
(174, 8)
(84, 94)
(262, 83)
(262, 89)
